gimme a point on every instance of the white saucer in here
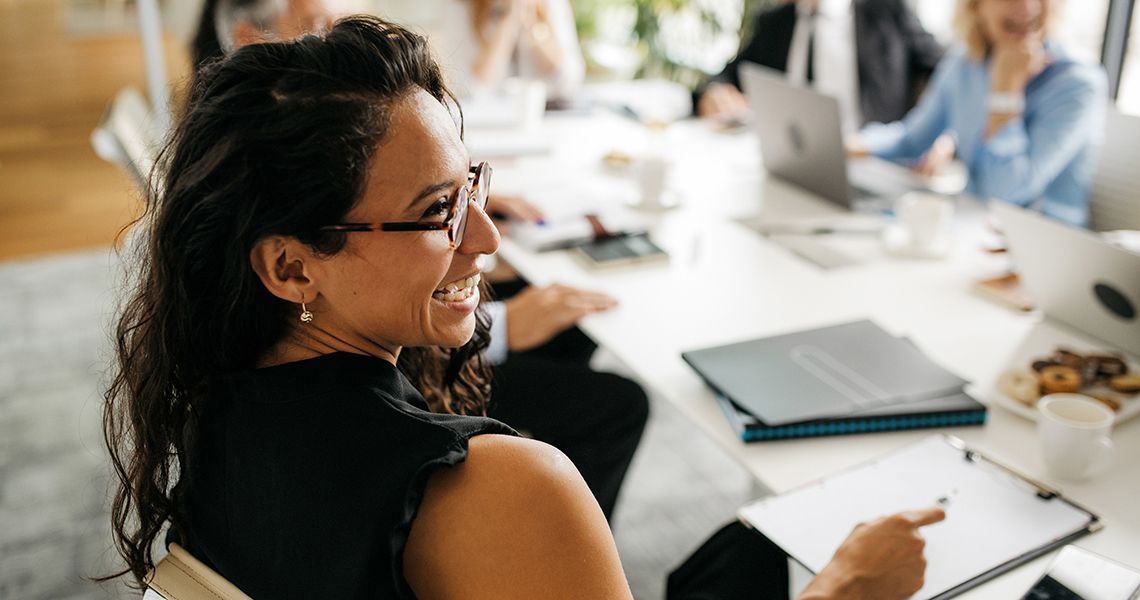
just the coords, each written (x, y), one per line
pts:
(896, 241)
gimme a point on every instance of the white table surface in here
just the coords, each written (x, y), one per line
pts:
(726, 283)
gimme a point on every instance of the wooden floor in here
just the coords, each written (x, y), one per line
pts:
(55, 193)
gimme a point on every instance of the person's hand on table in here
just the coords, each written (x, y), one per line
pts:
(506, 208)
(940, 154)
(881, 559)
(722, 101)
(535, 315)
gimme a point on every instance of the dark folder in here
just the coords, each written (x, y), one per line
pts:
(844, 379)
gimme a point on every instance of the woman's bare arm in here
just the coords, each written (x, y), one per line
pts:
(515, 520)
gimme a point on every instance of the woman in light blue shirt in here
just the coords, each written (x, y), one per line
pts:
(1025, 118)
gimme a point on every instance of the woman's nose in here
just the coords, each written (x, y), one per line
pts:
(481, 236)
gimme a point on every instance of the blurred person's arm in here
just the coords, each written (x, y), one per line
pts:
(914, 135)
(553, 36)
(725, 86)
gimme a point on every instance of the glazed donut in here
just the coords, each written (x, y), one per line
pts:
(1060, 379)
(1126, 384)
(1019, 384)
(1109, 366)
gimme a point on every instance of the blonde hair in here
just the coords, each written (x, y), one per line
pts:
(969, 31)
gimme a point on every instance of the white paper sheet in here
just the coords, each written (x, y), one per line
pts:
(992, 516)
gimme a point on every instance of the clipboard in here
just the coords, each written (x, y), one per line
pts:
(996, 518)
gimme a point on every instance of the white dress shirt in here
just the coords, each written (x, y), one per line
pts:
(835, 63)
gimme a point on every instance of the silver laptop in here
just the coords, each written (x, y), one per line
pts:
(801, 141)
(1074, 276)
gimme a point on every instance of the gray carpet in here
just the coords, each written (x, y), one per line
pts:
(54, 530)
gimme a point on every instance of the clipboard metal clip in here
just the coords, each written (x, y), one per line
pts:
(1042, 490)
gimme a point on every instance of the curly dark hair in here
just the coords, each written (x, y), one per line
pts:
(276, 140)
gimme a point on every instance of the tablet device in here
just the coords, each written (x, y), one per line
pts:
(620, 250)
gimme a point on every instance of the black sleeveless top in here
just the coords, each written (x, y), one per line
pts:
(304, 478)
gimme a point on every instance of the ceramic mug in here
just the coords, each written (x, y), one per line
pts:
(653, 181)
(925, 217)
(1073, 430)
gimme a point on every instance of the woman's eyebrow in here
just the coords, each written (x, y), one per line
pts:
(429, 191)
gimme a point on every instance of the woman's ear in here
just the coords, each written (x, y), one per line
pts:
(285, 267)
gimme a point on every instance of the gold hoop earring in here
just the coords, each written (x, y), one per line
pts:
(306, 315)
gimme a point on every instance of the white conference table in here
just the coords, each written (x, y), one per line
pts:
(726, 283)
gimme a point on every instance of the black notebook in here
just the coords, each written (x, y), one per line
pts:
(843, 379)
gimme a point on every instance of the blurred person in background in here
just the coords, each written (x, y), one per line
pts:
(874, 56)
(481, 43)
(1024, 116)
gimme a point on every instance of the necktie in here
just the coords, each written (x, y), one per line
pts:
(811, 47)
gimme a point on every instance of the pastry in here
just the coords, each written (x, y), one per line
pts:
(1068, 358)
(617, 159)
(1126, 384)
(1060, 379)
(1108, 366)
(1041, 364)
(1106, 399)
(1019, 384)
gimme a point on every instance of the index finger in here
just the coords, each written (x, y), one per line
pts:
(925, 516)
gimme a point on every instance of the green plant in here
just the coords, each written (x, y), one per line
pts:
(651, 32)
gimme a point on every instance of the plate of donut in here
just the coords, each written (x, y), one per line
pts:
(1106, 377)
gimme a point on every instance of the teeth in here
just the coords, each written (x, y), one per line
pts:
(461, 289)
(456, 296)
(461, 284)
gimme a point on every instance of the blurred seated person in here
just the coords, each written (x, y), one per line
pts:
(480, 43)
(299, 393)
(872, 55)
(543, 384)
(1023, 116)
(228, 24)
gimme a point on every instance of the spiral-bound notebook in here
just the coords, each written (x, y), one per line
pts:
(848, 378)
(996, 519)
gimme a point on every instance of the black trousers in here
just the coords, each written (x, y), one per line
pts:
(551, 394)
(735, 563)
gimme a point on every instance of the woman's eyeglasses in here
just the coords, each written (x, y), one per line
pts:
(477, 190)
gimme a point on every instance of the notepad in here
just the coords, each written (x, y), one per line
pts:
(995, 519)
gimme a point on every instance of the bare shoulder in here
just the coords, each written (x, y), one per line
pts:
(515, 520)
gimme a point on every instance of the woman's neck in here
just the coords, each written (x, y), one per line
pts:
(304, 345)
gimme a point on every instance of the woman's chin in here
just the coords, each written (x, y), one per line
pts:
(456, 335)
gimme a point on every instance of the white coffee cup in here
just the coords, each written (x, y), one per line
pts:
(925, 217)
(653, 180)
(1073, 431)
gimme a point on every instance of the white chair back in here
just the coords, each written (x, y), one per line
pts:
(129, 136)
(1114, 203)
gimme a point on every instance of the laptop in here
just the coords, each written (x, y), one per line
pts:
(1074, 276)
(801, 141)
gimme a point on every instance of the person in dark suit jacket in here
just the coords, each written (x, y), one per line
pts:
(894, 56)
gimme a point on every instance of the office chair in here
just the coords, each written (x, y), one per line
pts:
(129, 136)
(180, 576)
(1113, 202)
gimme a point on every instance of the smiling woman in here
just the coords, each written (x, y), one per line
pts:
(319, 223)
